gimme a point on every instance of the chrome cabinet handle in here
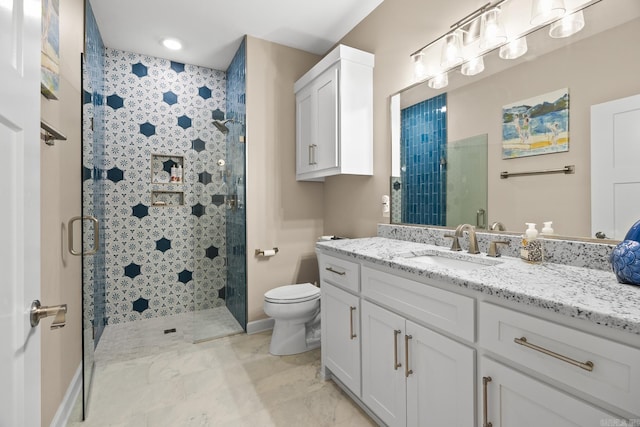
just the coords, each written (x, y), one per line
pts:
(351, 310)
(341, 273)
(310, 150)
(313, 150)
(407, 371)
(96, 234)
(396, 365)
(587, 366)
(485, 414)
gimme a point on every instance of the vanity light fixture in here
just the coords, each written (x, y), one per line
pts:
(567, 26)
(172, 44)
(452, 50)
(514, 49)
(492, 33)
(439, 81)
(473, 66)
(483, 30)
(545, 11)
(419, 70)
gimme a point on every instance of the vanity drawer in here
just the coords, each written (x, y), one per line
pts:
(339, 272)
(431, 306)
(605, 369)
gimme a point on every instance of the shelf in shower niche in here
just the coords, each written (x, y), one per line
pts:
(161, 168)
(167, 198)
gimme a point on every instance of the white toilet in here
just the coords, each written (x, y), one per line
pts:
(296, 311)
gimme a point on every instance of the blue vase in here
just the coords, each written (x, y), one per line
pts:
(625, 258)
(633, 233)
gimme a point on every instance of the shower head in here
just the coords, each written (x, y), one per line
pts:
(222, 125)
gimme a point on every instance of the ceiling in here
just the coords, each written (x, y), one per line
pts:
(211, 30)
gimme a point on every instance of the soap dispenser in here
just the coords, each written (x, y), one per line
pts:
(547, 228)
(531, 248)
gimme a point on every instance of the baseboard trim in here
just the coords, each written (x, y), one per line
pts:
(260, 325)
(61, 419)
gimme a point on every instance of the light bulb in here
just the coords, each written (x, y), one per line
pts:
(473, 66)
(567, 26)
(492, 31)
(439, 81)
(514, 49)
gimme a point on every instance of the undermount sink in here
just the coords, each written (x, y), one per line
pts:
(453, 260)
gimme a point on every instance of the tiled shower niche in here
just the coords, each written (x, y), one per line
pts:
(159, 260)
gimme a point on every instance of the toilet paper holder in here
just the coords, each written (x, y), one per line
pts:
(260, 252)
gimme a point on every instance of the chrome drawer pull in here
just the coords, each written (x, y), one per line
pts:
(587, 366)
(396, 365)
(485, 414)
(351, 310)
(341, 273)
(407, 371)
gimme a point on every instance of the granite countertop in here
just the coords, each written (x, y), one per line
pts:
(583, 293)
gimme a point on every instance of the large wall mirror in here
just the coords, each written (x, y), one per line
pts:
(458, 177)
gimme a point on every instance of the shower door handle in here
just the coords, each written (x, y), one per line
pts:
(481, 213)
(96, 234)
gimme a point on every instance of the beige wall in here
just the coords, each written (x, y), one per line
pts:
(399, 27)
(281, 212)
(60, 200)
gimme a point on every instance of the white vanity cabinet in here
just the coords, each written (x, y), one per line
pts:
(334, 116)
(511, 399)
(431, 353)
(591, 365)
(413, 376)
(340, 319)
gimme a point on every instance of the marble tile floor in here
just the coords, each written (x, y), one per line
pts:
(231, 381)
(146, 337)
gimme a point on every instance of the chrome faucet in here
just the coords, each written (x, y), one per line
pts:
(473, 242)
(497, 226)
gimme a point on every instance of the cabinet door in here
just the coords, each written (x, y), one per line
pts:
(440, 389)
(516, 400)
(305, 132)
(341, 335)
(383, 364)
(325, 153)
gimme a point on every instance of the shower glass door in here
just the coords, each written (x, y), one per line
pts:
(218, 212)
(94, 316)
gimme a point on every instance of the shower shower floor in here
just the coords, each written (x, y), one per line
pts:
(131, 340)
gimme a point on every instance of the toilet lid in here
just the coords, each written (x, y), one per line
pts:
(292, 293)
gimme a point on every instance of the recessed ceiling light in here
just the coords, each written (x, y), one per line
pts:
(172, 44)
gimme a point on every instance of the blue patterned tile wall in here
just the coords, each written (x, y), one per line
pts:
(163, 260)
(236, 218)
(93, 192)
(423, 152)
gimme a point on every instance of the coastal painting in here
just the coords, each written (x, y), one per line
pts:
(50, 48)
(538, 125)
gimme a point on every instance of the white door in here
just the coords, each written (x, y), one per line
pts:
(615, 171)
(383, 364)
(516, 400)
(341, 335)
(440, 388)
(20, 213)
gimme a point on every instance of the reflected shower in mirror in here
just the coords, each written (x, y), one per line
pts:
(436, 182)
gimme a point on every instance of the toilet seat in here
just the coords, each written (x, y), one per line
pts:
(291, 294)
